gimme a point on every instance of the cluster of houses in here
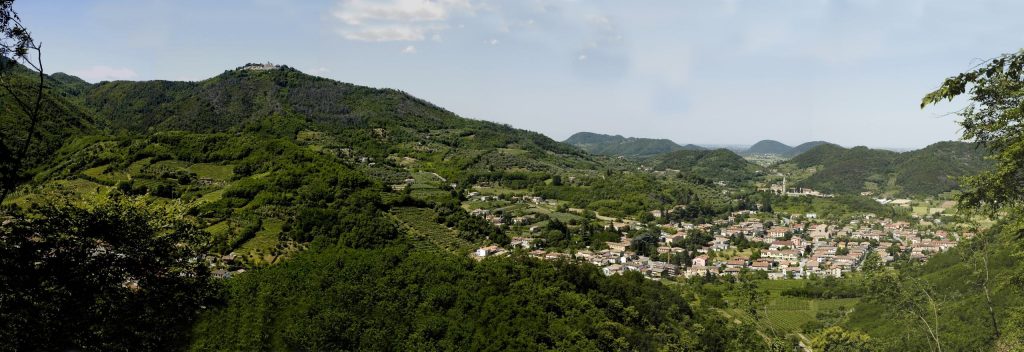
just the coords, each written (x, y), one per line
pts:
(476, 196)
(781, 189)
(792, 248)
(260, 67)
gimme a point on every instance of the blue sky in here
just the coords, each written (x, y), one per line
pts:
(706, 72)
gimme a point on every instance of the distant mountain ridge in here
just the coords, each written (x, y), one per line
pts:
(803, 148)
(769, 146)
(773, 147)
(617, 145)
(928, 171)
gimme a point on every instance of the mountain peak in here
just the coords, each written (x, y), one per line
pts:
(769, 146)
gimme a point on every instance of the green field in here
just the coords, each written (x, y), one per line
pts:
(211, 197)
(492, 191)
(219, 229)
(213, 171)
(266, 239)
(76, 189)
(137, 167)
(166, 166)
(100, 173)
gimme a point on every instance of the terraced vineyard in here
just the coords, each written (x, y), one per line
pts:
(787, 315)
(426, 234)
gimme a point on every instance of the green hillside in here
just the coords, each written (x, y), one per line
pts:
(328, 194)
(928, 171)
(61, 118)
(603, 144)
(935, 168)
(804, 147)
(716, 165)
(769, 147)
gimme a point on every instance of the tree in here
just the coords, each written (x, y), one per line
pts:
(16, 46)
(1013, 339)
(872, 263)
(116, 276)
(752, 299)
(645, 244)
(908, 298)
(894, 250)
(992, 119)
(837, 339)
(977, 252)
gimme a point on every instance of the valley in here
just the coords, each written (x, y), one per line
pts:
(268, 207)
(266, 190)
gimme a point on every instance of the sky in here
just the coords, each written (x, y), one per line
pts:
(704, 72)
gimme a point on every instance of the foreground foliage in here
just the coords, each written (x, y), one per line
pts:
(333, 298)
(115, 277)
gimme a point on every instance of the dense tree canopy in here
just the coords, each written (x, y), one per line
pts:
(392, 299)
(118, 276)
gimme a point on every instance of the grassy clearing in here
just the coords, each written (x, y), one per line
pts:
(265, 240)
(78, 190)
(787, 315)
(428, 178)
(137, 167)
(563, 217)
(429, 194)
(100, 173)
(920, 211)
(219, 229)
(493, 191)
(213, 171)
(211, 197)
(510, 151)
(166, 166)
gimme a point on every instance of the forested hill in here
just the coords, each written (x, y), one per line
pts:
(64, 119)
(374, 123)
(769, 147)
(804, 147)
(333, 214)
(239, 96)
(778, 148)
(603, 144)
(928, 171)
(715, 165)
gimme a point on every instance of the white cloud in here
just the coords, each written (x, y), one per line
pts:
(358, 12)
(492, 42)
(105, 73)
(396, 20)
(409, 50)
(390, 33)
(582, 57)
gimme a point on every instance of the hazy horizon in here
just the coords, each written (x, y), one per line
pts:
(744, 145)
(718, 72)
